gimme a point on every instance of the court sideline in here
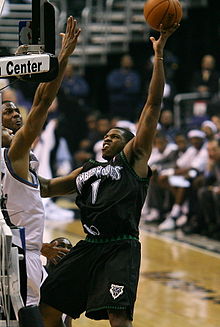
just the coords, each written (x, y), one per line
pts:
(179, 282)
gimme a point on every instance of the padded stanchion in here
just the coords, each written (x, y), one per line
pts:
(30, 316)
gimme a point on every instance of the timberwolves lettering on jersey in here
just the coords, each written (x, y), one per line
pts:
(108, 171)
(110, 196)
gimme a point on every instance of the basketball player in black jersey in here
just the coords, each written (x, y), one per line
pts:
(100, 274)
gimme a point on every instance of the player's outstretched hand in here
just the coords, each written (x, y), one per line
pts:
(70, 37)
(159, 44)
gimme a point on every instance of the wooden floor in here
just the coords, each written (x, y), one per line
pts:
(179, 283)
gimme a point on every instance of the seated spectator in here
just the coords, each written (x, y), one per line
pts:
(209, 128)
(163, 155)
(206, 217)
(162, 150)
(178, 180)
(167, 124)
(215, 118)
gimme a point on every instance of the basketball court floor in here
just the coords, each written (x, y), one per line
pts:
(179, 281)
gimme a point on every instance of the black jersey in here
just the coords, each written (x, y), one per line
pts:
(111, 196)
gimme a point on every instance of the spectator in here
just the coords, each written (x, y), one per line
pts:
(162, 151)
(207, 78)
(74, 88)
(178, 180)
(206, 216)
(209, 128)
(42, 148)
(167, 125)
(124, 88)
(158, 199)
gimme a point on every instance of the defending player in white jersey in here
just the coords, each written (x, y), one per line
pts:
(21, 188)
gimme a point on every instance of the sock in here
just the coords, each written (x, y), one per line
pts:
(176, 209)
(185, 208)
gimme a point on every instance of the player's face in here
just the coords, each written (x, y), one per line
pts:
(113, 143)
(11, 117)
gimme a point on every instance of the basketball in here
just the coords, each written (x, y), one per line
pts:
(166, 12)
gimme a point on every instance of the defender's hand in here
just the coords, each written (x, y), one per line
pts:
(70, 37)
(52, 252)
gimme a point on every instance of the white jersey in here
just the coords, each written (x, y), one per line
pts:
(25, 209)
(24, 204)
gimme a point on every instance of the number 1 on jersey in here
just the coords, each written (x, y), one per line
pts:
(95, 188)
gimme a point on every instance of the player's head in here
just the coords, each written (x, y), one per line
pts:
(114, 141)
(11, 116)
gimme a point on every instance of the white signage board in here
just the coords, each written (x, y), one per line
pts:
(24, 65)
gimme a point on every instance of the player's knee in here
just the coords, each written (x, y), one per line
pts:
(51, 316)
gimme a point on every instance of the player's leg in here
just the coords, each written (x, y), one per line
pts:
(51, 316)
(119, 318)
(34, 275)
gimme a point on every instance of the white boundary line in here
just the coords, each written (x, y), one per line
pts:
(181, 243)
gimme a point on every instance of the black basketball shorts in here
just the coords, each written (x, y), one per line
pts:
(95, 278)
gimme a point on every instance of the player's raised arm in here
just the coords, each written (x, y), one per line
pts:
(138, 150)
(45, 94)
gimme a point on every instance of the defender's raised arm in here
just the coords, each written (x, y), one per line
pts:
(45, 94)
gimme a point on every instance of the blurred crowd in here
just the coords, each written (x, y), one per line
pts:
(185, 186)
